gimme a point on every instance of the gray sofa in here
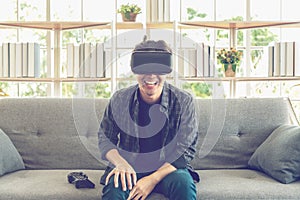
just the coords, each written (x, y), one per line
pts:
(55, 136)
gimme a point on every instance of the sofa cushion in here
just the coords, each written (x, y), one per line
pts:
(238, 184)
(54, 133)
(51, 184)
(279, 155)
(10, 159)
(215, 184)
(230, 130)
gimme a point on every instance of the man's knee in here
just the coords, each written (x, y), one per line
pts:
(180, 184)
(181, 179)
(110, 192)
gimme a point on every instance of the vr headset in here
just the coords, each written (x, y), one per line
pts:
(151, 62)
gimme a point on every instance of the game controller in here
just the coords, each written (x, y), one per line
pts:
(80, 180)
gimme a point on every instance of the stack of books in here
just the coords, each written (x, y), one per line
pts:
(197, 62)
(20, 60)
(87, 60)
(283, 59)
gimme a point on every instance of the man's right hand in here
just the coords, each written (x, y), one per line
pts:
(123, 171)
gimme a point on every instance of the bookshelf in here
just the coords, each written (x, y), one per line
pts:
(174, 26)
(233, 27)
(56, 27)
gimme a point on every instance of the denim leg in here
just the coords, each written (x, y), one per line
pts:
(178, 185)
(109, 191)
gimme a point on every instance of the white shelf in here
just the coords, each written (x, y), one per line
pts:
(286, 78)
(54, 79)
(233, 26)
(239, 24)
(63, 25)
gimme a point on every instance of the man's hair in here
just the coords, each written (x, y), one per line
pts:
(151, 45)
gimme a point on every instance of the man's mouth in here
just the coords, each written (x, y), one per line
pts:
(150, 82)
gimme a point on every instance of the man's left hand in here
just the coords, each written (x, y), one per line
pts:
(142, 189)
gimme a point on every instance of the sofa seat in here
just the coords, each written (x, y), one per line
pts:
(243, 184)
(51, 185)
(46, 184)
(215, 184)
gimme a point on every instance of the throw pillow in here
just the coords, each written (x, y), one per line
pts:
(10, 159)
(279, 155)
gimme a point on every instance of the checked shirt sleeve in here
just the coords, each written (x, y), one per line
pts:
(186, 135)
(108, 133)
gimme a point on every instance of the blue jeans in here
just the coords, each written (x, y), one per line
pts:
(178, 185)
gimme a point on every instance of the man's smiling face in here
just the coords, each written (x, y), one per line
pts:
(151, 86)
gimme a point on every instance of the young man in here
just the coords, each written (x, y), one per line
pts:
(149, 133)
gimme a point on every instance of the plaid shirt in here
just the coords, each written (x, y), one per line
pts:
(119, 129)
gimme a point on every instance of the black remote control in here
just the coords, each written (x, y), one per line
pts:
(80, 180)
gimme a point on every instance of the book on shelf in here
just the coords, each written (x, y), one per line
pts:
(100, 60)
(212, 67)
(24, 59)
(33, 59)
(87, 60)
(167, 10)
(154, 9)
(81, 61)
(160, 12)
(180, 62)
(206, 60)
(197, 62)
(290, 59)
(270, 59)
(76, 61)
(84, 60)
(277, 59)
(19, 60)
(108, 63)
(1, 63)
(183, 67)
(283, 58)
(148, 10)
(93, 62)
(297, 59)
(192, 63)
(12, 59)
(5, 59)
(187, 63)
(70, 60)
(200, 59)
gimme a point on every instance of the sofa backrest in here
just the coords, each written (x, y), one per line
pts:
(231, 129)
(56, 133)
(61, 133)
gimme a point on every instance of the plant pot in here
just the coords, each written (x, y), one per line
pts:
(129, 17)
(230, 70)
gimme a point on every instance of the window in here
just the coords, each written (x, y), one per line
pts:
(252, 42)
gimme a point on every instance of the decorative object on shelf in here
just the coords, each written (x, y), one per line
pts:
(230, 59)
(2, 93)
(129, 12)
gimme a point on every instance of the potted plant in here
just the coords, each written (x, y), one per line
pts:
(129, 11)
(230, 59)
